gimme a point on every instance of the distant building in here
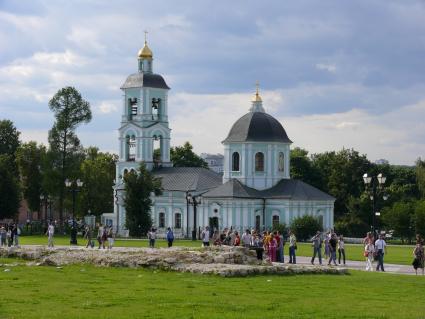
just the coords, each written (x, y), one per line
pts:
(215, 161)
(381, 162)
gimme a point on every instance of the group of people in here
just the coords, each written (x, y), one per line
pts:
(9, 235)
(105, 234)
(332, 244)
(374, 249)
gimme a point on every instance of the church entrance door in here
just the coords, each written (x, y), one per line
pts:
(213, 224)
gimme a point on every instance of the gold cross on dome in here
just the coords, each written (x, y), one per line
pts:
(146, 35)
(257, 84)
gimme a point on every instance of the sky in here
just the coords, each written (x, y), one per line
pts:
(336, 74)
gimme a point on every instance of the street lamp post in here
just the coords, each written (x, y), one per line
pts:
(374, 187)
(194, 201)
(74, 188)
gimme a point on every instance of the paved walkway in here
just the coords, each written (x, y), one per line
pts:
(361, 265)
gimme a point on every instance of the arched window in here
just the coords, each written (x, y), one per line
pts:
(281, 164)
(235, 162)
(161, 222)
(275, 221)
(177, 220)
(259, 162)
(257, 222)
(131, 147)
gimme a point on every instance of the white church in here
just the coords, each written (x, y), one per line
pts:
(255, 190)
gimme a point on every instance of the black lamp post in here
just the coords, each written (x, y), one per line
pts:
(374, 187)
(194, 201)
(74, 188)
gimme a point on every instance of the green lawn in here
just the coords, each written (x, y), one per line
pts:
(83, 291)
(397, 254)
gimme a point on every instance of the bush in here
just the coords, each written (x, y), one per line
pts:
(305, 227)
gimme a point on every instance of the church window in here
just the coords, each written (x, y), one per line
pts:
(235, 162)
(132, 102)
(275, 221)
(257, 222)
(259, 162)
(281, 163)
(161, 222)
(131, 144)
(177, 220)
(156, 108)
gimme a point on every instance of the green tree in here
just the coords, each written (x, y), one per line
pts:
(305, 227)
(137, 201)
(9, 138)
(9, 188)
(29, 157)
(183, 156)
(97, 172)
(342, 176)
(70, 110)
(302, 168)
(420, 176)
(400, 218)
(420, 218)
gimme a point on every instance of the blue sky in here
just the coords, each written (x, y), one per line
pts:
(335, 73)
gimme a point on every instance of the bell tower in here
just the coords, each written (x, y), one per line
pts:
(144, 135)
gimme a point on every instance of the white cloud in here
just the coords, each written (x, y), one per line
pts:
(106, 107)
(331, 68)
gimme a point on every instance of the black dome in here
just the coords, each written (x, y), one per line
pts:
(145, 79)
(257, 127)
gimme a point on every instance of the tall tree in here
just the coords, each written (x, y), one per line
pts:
(137, 201)
(302, 168)
(70, 110)
(400, 218)
(420, 176)
(29, 157)
(183, 156)
(9, 188)
(9, 138)
(97, 172)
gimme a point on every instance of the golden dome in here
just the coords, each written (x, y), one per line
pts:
(145, 52)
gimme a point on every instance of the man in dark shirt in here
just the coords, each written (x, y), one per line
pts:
(332, 247)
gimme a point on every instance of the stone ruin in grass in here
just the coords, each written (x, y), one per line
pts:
(225, 261)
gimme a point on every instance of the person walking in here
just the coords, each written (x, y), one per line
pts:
(272, 248)
(332, 249)
(205, 236)
(170, 237)
(418, 253)
(279, 251)
(341, 250)
(326, 242)
(381, 249)
(50, 234)
(292, 248)
(89, 236)
(237, 239)
(317, 247)
(246, 238)
(152, 237)
(9, 237)
(2, 236)
(110, 236)
(100, 239)
(16, 233)
(369, 250)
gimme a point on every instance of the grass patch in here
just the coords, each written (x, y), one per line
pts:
(84, 291)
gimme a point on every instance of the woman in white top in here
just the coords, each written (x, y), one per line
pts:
(368, 253)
